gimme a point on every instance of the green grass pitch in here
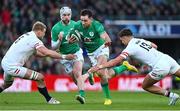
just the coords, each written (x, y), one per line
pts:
(94, 101)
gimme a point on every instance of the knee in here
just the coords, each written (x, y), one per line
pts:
(145, 87)
(76, 73)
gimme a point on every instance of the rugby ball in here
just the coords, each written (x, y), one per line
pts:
(75, 34)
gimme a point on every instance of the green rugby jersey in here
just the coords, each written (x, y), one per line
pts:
(91, 35)
(65, 47)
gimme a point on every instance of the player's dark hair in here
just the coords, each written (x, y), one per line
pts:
(38, 26)
(87, 12)
(125, 32)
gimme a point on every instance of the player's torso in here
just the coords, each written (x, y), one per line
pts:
(144, 52)
(90, 36)
(20, 50)
(65, 47)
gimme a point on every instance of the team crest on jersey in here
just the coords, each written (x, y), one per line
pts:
(91, 34)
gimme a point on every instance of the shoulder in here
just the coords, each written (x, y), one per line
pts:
(95, 22)
(56, 26)
(77, 24)
(72, 21)
(97, 25)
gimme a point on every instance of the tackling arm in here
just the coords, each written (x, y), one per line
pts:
(112, 62)
(47, 52)
(39, 54)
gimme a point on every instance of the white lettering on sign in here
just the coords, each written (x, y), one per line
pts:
(61, 85)
(135, 84)
(19, 85)
(155, 30)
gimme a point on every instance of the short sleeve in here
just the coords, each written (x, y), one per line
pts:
(54, 34)
(37, 43)
(128, 51)
(99, 28)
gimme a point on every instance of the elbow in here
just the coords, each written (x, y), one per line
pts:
(45, 53)
(55, 45)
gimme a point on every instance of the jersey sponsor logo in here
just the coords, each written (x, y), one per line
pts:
(91, 34)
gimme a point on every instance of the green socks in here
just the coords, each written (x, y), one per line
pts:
(105, 88)
(81, 93)
(119, 69)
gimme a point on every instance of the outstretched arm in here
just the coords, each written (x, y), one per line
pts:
(111, 63)
(43, 51)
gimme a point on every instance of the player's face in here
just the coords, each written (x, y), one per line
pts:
(123, 40)
(42, 33)
(86, 21)
(66, 18)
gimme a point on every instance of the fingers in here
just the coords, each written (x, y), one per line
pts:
(72, 39)
(60, 36)
(71, 56)
(107, 44)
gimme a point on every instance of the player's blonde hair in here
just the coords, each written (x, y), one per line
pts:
(38, 26)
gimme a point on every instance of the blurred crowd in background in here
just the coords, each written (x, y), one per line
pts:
(17, 17)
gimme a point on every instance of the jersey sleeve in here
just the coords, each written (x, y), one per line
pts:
(127, 52)
(99, 27)
(147, 42)
(54, 34)
(37, 43)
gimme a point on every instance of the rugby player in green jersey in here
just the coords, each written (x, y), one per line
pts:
(59, 35)
(97, 42)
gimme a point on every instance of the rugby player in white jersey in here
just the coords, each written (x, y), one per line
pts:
(146, 51)
(20, 51)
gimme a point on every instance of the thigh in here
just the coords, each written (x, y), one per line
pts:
(68, 65)
(174, 66)
(79, 55)
(161, 69)
(148, 81)
(99, 56)
(104, 51)
(16, 71)
(78, 66)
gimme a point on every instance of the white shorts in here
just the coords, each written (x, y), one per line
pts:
(68, 64)
(102, 50)
(165, 66)
(11, 71)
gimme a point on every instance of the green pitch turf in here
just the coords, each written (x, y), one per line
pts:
(94, 101)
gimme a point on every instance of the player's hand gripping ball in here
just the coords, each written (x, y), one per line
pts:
(74, 36)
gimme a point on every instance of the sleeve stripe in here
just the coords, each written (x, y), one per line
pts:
(37, 45)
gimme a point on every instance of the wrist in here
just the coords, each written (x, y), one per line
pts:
(100, 66)
(63, 56)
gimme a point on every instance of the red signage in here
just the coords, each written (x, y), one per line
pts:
(61, 83)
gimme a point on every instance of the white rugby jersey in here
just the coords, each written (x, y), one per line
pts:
(22, 49)
(142, 50)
